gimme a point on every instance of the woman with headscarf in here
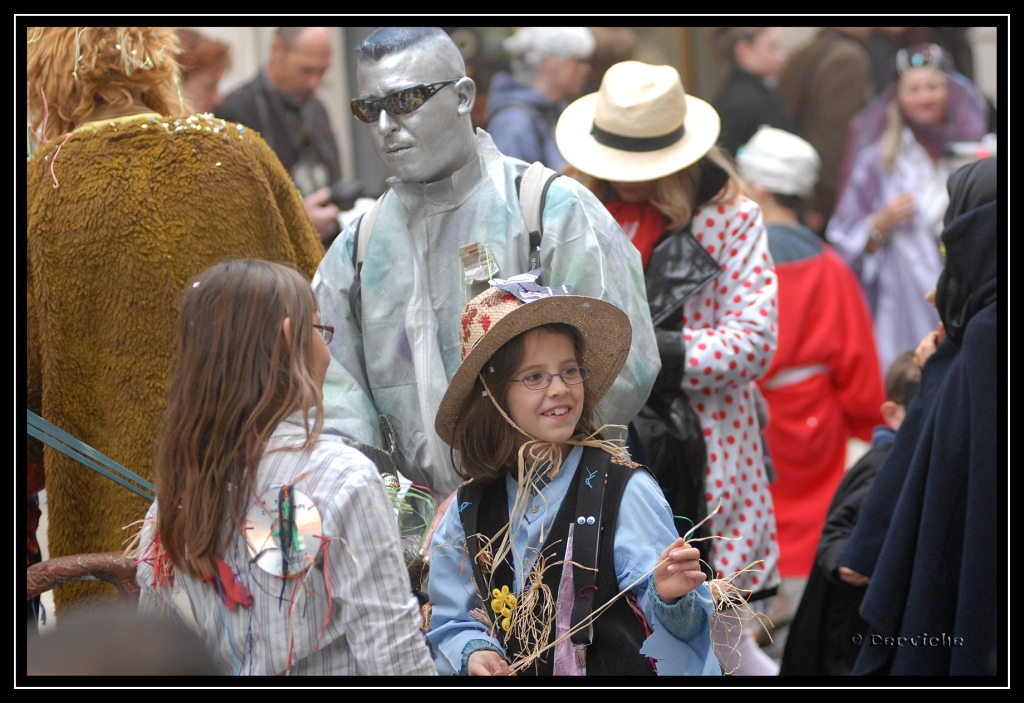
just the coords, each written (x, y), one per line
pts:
(889, 215)
(926, 535)
(128, 198)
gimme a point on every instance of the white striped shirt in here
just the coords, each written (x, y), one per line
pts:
(373, 624)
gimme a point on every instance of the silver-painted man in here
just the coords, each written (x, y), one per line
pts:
(396, 342)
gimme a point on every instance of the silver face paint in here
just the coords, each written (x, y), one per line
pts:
(434, 141)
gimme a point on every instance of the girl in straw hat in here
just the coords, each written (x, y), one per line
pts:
(510, 586)
(647, 149)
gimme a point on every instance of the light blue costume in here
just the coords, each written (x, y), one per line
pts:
(399, 360)
(681, 639)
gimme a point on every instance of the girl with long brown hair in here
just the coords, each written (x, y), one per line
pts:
(283, 544)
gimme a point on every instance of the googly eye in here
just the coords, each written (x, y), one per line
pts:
(591, 520)
(581, 520)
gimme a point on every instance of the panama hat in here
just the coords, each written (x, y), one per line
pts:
(495, 316)
(641, 125)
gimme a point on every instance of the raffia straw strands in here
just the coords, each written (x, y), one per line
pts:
(734, 612)
(133, 542)
(533, 630)
(46, 116)
(545, 459)
(54, 159)
(585, 622)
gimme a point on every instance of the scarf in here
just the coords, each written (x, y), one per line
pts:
(643, 224)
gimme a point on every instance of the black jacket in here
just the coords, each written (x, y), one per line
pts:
(745, 103)
(669, 429)
(287, 128)
(928, 534)
(822, 639)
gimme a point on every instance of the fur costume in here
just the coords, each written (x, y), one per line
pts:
(121, 214)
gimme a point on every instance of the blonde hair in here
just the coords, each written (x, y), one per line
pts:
(675, 193)
(892, 136)
(73, 70)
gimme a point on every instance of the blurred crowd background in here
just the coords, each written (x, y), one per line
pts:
(691, 50)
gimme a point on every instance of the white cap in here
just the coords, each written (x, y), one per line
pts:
(779, 162)
(532, 44)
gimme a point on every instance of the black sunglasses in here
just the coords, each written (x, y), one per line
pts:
(401, 102)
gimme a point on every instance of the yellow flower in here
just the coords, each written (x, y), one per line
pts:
(503, 604)
(506, 623)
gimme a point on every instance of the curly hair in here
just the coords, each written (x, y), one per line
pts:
(74, 70)
(199, 52)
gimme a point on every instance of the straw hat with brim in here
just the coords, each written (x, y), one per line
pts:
(641, 125)
(495, 316)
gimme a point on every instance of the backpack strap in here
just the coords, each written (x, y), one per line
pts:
(591, 474)
(364, 227)
(533, 190)
(467, 505)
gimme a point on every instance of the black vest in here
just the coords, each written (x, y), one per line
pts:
(619, 632)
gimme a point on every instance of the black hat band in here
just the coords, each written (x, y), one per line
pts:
(617, 141)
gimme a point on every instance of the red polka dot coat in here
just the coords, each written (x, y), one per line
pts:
(730, 329)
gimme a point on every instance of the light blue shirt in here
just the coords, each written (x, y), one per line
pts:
(643, 530)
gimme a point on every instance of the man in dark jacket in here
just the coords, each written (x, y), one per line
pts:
(747, 98)
(280, 104)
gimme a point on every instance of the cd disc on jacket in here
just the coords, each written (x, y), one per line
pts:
(262, 533)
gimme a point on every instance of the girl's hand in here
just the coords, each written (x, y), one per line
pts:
(487, 662)
(678, 571)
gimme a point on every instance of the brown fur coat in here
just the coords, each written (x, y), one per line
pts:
(142, 205)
